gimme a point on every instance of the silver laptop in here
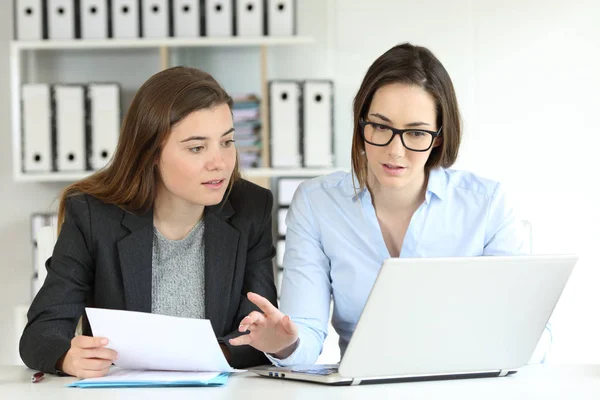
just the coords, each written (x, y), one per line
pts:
(446, 318)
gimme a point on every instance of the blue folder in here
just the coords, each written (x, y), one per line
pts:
(219, 380)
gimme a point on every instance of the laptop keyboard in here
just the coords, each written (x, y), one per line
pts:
(317, 369)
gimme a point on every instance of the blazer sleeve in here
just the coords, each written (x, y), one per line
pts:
(258, 279)
(53, 315)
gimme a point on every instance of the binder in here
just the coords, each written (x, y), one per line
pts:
(285, 98)
(61, 19)
(219, 18)
(125, 19)
(45, 246)
(317, 124)
(37, 127)
(94, 19)
(281, 17)
(69, 115)
(29, 20)
(286, 187)
(250, 15)
(279, 281)
(280, 250)
(43, 236)
(155, 18)
(186, 18)
(281, 226)
(104, 121)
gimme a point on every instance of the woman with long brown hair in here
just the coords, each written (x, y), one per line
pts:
(400, 200)
(168, 227)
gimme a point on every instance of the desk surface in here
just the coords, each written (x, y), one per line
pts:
(533, 382)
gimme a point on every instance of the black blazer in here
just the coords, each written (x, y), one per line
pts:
(103, 259)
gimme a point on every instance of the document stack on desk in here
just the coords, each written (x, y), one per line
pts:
(130, 378)
(157, 350)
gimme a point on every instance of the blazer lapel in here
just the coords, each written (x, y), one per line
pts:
(221, 245)
(135, 253)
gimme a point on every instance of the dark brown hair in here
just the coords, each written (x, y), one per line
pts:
(417, 66)
(129, 180)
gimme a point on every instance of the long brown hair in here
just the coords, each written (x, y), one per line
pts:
(412, 65)
(129, 180)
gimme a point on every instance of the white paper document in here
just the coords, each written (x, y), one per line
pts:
(147, 341)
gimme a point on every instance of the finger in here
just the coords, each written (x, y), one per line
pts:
(241, 340)
(87, 342)
(253, 318)
(94, 364)
(262, 303)
(99, 353)
(288, 326)
(254, 327)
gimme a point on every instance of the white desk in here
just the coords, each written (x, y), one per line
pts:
(534, 382)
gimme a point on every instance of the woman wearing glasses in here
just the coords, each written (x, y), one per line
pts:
(400, 200)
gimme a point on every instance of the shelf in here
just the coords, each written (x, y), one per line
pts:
(249, 173)
(79, 44)
(283, 172)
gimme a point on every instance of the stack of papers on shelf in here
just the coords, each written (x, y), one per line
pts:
(247, 123)
(158, 350)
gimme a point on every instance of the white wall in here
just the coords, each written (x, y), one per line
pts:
(536, 97)
(525, 72)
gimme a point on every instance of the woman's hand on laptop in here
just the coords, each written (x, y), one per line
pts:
(271, 331)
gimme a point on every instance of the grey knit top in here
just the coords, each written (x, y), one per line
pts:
(178, 274)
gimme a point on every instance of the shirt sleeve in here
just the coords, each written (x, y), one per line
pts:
(506, 234)
(306, 286)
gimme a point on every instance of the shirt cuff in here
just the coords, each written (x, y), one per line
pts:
(288, 361)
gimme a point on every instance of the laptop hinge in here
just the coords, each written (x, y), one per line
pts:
(355, 382)
(504, 372)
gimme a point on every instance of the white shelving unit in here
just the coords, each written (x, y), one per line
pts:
(28, 49)
(144, 43)
(246, 173)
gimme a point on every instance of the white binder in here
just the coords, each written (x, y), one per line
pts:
(281, 226)
(69, 102)
(94, 19)
(125, 19)
(29, 20)
(317, 126)
(250, 17)
(104, 122)
(279, 278)
(219, 18)
(61, 19)
(37, 128)
(286, 187)
(186, 18)
(285, 98)
(46, 238)
(155, 18)
(280, 251)
(281, 17)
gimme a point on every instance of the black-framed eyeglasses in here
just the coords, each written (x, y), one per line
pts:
(412, 139)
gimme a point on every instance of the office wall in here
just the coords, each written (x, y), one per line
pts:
(525, 74)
